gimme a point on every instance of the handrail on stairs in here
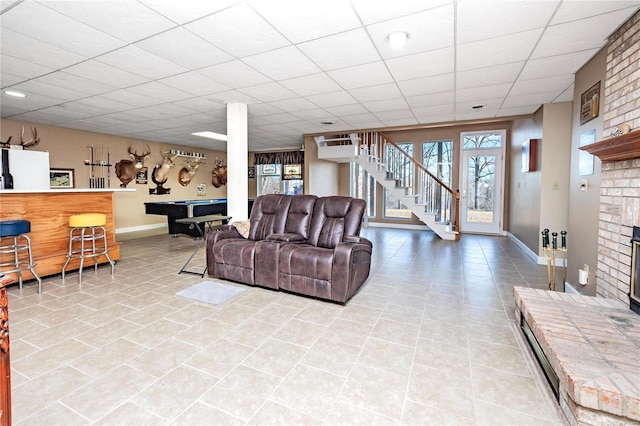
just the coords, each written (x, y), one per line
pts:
(369, 140)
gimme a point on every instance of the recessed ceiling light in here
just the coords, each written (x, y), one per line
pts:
(14, 94)
(478, 106)
(211, 135)
(327, 122)
(397, 39)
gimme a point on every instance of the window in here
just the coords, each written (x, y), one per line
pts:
(437, 158)
(393, 207)
(482, 140)
(270, 181)
(364, 186)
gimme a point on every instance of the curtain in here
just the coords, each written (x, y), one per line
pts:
(286, 157)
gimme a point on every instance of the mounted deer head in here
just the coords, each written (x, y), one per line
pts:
(161, 171)
(219, 174)
(31, 142)
(139, 158)
(188, 171)
(127, 170)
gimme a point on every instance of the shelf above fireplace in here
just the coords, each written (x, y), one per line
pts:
(624, 147)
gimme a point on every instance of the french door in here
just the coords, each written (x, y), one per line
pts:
(482, 180)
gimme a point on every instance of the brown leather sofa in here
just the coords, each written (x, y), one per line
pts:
(298, 243)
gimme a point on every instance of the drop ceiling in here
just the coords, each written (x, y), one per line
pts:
(159, 70)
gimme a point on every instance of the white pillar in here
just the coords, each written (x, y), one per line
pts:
(237, 162)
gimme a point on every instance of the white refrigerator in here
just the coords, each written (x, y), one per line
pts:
(29, 169)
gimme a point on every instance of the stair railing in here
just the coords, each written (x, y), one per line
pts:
(418, 182)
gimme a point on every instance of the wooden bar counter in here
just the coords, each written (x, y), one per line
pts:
(49, 211)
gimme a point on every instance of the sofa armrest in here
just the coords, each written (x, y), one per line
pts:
(357, 240)
(351, 265)
(222, 233)
(286, 237)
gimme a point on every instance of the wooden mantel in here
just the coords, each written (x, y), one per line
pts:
(624, 147)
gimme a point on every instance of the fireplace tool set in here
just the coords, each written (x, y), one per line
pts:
(551, 253)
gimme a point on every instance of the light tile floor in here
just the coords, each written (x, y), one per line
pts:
(430, 339)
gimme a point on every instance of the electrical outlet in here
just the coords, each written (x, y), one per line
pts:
(584, 185)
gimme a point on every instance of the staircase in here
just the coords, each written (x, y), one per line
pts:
(428, 198)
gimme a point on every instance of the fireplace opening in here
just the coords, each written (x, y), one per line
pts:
(634, 294)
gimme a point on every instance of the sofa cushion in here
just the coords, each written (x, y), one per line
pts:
(268, 215)
(334, 218)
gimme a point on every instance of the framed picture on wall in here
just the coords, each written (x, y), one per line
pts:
(585, 160)
(292, 172)
(590, 104)
(142, 176)
(61, 178)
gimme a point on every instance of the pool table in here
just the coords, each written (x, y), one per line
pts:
(188, 208)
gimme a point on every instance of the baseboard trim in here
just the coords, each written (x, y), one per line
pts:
(568, 288)
(140, 228)
(540, 260)
(398, 226)
(526, 249)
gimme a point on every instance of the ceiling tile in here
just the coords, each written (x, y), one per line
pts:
(332, 99)
(160, 91)
(263, 109)
(362, 75)
(576, 10)
(431, 99)
(479, 94)
(295, 104)
(311, 84)
(423, 86)
(239, 31)
(497, 51)
(141, 62)
(407, 121)
(269, 92)
(547, 84)
(500, 18)
(568, 63)
(195, 83)
(302, 21)
(35, 51)
(19, 67)
(386, 105)
(352, 109)
(113, 76)
(376, 93)
(434, 114)
(375, 11)
(234, 74)
(488, 76)
(107, 16)
(566, 96)
(230, 96)
(316, 114)
(525, 100)
(423, 64)
(36, 87)
(62, 31)
(64, 80)
(283, 63)
(521, 110)
(557, 39)
(341, 50)
(280, 118)
(437, 34)
(187, 11)
(363, 121)
(182, 47)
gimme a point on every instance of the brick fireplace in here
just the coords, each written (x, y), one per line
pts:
(589, 347)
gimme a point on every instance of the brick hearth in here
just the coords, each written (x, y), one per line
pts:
(593, 345)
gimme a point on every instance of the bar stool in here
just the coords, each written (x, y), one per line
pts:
(14, 240)
(87, 228)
